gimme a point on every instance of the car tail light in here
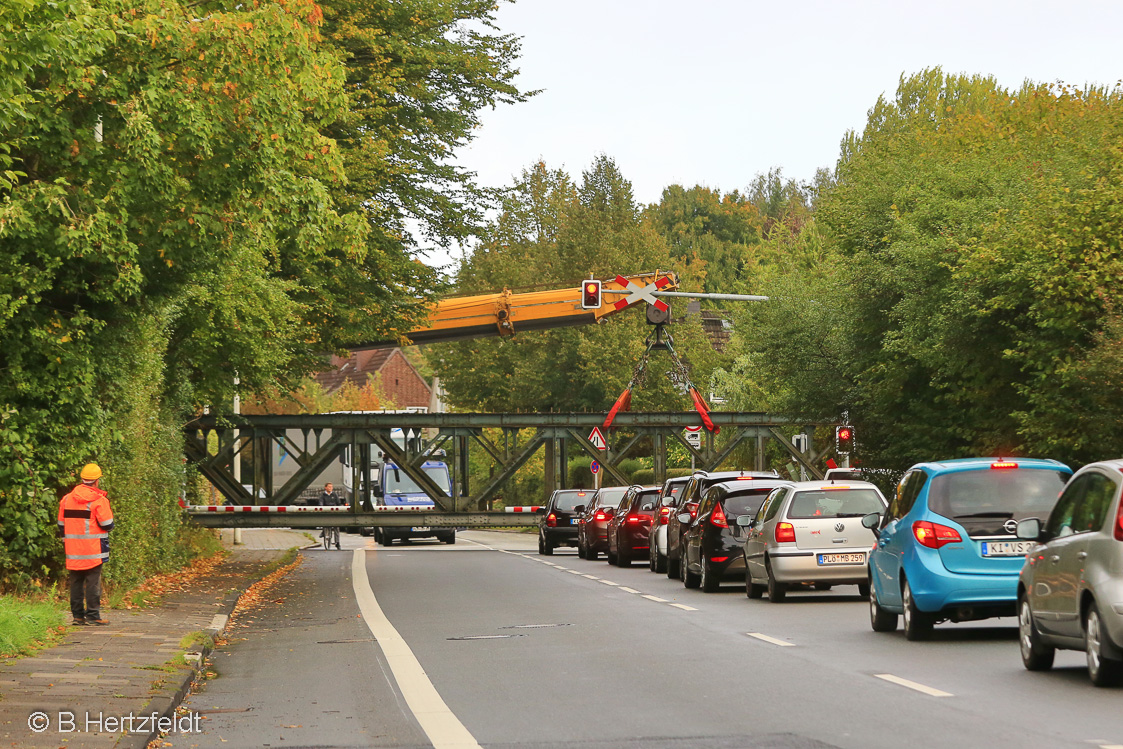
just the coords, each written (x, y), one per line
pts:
(785, 533)
(1003, 464)
(717, 517)
(632, 519)
(693, 507)
(1119, 524)
(600, 516)
(934, 535)
(719, 559)
(552, 520)
(664, 515)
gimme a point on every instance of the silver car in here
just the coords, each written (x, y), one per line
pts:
(1070, 591)
(810, 532)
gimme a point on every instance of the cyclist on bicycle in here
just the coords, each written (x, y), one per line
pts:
(329, 499)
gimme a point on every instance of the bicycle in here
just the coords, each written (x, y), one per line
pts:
(327, 534)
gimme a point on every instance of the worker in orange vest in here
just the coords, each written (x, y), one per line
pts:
(84, 522)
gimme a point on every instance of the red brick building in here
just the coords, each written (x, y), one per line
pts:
(399, 381)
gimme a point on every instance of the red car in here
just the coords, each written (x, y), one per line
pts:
(629, 528)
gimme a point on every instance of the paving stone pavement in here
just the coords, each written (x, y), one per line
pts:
(72, 694)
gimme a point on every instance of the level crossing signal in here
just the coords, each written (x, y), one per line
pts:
(844, 439)
(590, 295)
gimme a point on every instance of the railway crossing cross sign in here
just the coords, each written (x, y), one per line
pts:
(597, 439)
(645, 293)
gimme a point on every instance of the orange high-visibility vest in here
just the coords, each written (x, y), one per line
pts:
(85, 519)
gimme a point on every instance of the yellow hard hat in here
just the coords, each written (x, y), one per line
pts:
(91, 472)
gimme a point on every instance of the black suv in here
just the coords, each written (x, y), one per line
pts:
(712, 546)
(557, 522)
(628, 526)
(699, 482)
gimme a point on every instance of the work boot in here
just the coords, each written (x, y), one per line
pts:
(79, 622)
(98, 622)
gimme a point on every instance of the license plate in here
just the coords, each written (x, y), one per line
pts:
(575, 521)
(421, 529)
(858, 558)
(1006, 548)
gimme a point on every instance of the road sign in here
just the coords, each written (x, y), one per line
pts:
(693, 436)
(594, 467)
(645, 293)
(597, 439)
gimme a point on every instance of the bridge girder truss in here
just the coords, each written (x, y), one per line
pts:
(213, 443)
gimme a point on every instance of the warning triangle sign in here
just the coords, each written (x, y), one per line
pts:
(597, 439)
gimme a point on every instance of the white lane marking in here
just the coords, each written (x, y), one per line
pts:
(573, 572)
(684, 607)
(608, 582)
(930, 691)
(628, 590)
(773, 640)
(591, 577)
(657, 599)
(444, 729)
(477, 543)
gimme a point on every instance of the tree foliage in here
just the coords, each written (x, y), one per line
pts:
(969, 261)
(223, 186)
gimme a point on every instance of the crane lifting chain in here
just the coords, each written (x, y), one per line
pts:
(659, 339)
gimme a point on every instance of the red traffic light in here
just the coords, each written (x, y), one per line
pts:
(844, 439)
(591, 295)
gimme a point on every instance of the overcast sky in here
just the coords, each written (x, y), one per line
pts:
(715, 92)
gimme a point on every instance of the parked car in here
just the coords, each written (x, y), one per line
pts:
(810, 532)
(629, 525)
(946, 547)
(1070, 590)
(592, 530)
(712, 547)
(657, 539)
(557, 521)
(696, 486)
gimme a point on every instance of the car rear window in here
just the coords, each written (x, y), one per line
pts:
(836, 503)
(998, 493)
(611, 497)
(566, 501)
(747, 503)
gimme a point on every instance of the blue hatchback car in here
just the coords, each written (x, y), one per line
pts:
(946, 547)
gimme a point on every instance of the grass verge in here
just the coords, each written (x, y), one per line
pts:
(30, 624)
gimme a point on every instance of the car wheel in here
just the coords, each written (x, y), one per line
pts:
(880, 619)
(580, 550)
(660, 562)
(386, 540)
(544, 547)
(651, 553)
(710, 581)
(672, 568)
(1036, 655)
(864, 590)
(623, 558)
(450, 538)
(364, 531)
(591, 553)
(752, 590)
(823, 586)
(610, 556)
(918, 624)
(1103, 670)
(690, 579)
(776, 591)
(378, 535)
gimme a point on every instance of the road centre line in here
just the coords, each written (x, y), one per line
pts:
(440, 724)
(592, 577)
(607, 582)
(930, 691)
(628, 590)
(773, 640)
(573, 572)
(657, 599)
(684, 607)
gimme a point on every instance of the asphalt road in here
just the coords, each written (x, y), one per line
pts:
(486, 642)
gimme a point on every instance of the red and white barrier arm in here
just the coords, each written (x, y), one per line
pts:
(534, 508)
(290, 508)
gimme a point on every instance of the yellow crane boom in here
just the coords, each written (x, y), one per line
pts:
(507, 313)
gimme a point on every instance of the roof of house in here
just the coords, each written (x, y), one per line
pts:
(356, 368)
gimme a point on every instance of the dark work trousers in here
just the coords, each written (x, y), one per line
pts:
(85, 583)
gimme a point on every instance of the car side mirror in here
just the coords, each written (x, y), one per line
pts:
(873, 522)
(684, 518)
(745, 521)
(579, 509)
(1029, 529)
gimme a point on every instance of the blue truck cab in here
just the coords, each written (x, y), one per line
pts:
(393, 488)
